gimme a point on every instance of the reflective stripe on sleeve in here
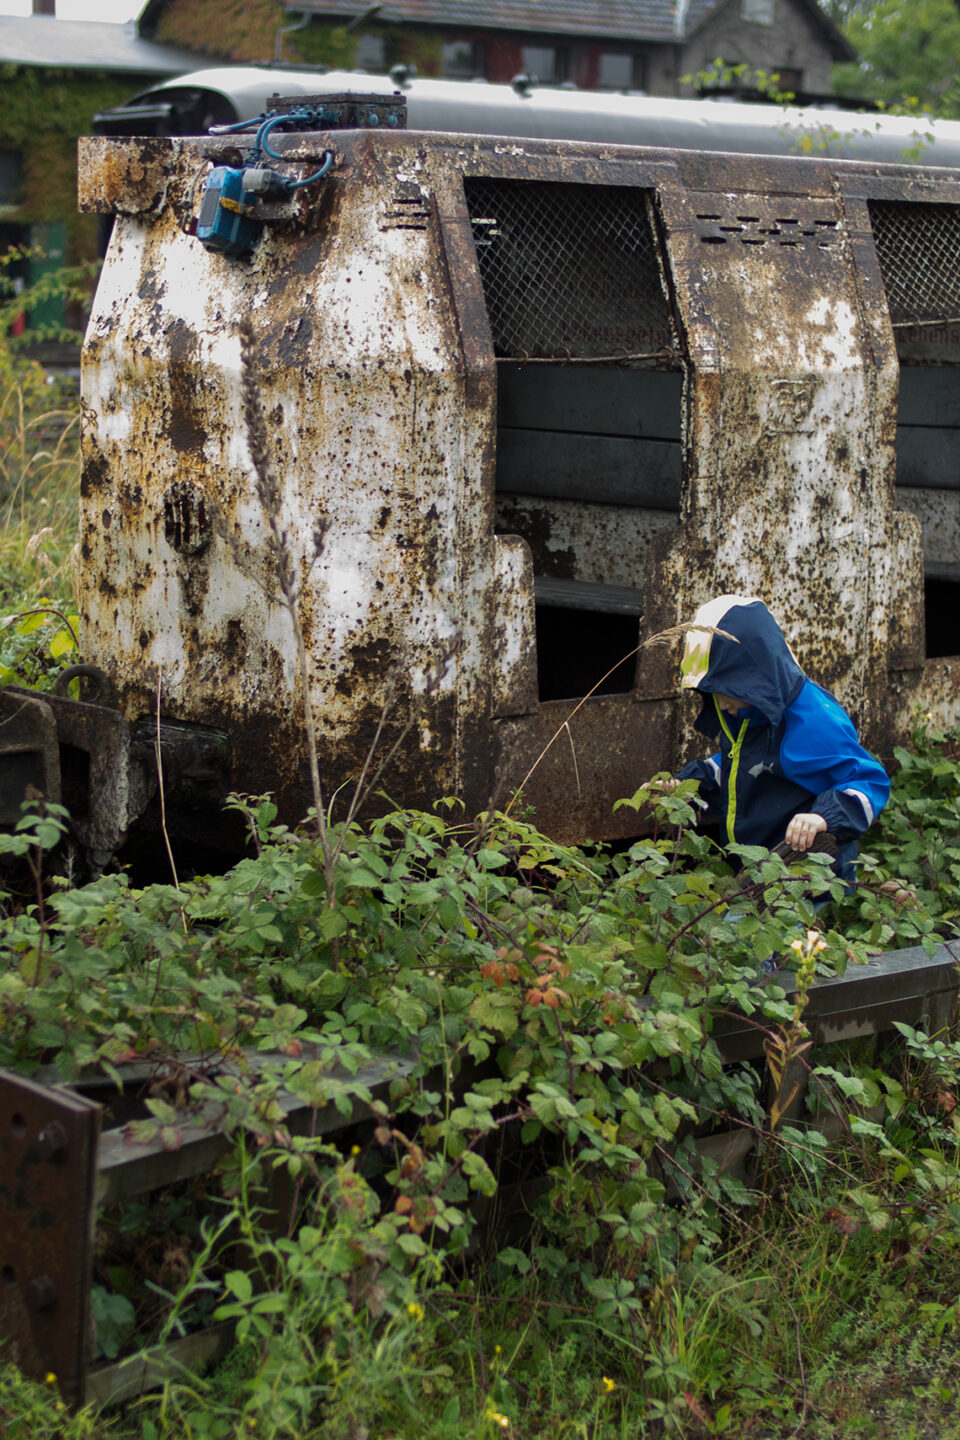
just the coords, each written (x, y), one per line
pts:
(867, 807)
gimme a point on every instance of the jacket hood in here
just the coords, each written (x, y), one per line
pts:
(755, 666)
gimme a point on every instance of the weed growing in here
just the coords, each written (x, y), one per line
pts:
(39, 487)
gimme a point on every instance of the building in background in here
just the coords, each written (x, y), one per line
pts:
(56, 75)
(648, 45)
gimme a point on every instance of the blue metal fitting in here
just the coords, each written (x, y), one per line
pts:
(227, 221)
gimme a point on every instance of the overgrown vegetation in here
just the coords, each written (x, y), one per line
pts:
(52, 109)
(39, 479)
(907, 54)
(520, 1237)
(522, 1229)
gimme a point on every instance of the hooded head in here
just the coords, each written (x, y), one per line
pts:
(756, 666)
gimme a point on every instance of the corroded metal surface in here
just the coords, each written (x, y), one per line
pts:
(376, 374)
(934, 696)
(790, 423)
(103, 786)
(579, 541)
(576, 765)
(125, 178)
(371, 433)
(939, 514)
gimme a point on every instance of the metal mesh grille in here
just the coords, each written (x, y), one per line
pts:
(569, 271)
(918, 247)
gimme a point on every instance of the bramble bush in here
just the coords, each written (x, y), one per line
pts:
(548, 1011)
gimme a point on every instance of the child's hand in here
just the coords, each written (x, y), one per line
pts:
(667, 784)
(803, 830)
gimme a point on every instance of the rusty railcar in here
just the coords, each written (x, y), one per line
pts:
(541, 399)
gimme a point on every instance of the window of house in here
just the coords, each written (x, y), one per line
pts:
(371, 53)
(462, 59)
(757, 12)
(548, 63)
(11, 175)
(616, 71)
(789, 79)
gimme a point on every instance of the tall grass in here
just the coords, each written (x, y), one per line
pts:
(39, 487)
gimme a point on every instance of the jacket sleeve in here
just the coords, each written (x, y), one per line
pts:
(708, 773)
(820, 751)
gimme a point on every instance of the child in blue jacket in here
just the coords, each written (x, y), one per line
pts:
(789, 765)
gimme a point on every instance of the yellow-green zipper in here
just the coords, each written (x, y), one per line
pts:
(734, 767)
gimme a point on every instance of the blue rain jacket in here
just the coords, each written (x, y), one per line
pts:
(791, 749)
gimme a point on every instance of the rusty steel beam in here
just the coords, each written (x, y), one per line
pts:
(128, 1168)
(48, 1154)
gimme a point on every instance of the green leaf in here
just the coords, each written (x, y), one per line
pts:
(238, 1282)
(62, 643)
(496, 1010)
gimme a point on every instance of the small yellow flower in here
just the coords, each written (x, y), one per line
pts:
(50, 1378)
(498, 1349)
(608, 1384)
(354, 1149)
(415, 1310)
(813, 944)
(496, 1418)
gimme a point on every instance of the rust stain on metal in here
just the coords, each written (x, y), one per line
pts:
(126, 177)
(790, 496)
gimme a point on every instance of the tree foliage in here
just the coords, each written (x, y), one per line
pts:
(909, 53)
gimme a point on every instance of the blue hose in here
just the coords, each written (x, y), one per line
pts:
(327, 162)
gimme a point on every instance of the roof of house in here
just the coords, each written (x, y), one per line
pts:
(611, 19)
(700, 11)
(86, 45)
(624, 20)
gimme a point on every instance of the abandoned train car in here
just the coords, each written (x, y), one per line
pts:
(527, 404)
(191, 104)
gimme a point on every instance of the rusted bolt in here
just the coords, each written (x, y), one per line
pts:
(40, 1293)
(52, 1141)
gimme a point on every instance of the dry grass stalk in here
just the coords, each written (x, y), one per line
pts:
(158, 752)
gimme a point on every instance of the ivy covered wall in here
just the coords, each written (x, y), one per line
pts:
(238, 30)
(43, 115)
(245, 31)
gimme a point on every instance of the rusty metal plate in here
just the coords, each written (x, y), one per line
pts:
(574, 766)
(28, 752)
(419, 621)
(48, 1151)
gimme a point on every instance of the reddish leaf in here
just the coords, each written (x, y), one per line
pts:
(696, 1409)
